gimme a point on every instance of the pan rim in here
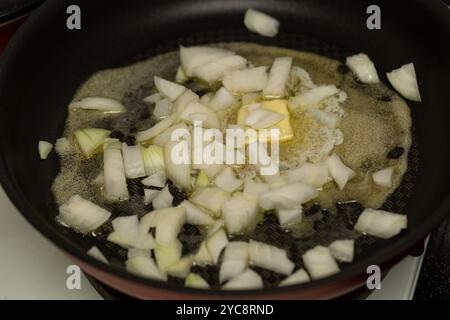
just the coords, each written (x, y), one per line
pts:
(397, 249)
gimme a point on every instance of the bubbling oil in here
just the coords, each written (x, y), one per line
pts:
(375, 120)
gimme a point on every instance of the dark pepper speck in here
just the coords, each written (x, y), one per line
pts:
(396, 152)
(129, 140)
(343, 69)
(385, 98)
(351, 210)
(116, 134)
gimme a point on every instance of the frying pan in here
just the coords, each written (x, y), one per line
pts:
(45, 63)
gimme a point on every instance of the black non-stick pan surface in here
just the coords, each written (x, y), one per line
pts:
(46, 62)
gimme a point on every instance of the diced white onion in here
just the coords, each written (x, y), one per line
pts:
(261, 23)
(153, 157)
(193, 57)
(158, 128)
(136, 252)
(133, 161)
(169, 89)
(153, 98)
(239, 213)
(169, 224)
(167, 256)
(195, 215)
(251, 97)
(181, 77)
(128, 234)
(287, 197)
(245, 80)
(202, 179)
(270, 258)
(363, 68)
(381, 223)
(313, 174)
(151, 219)
(342, 250)
(179, 173)
(62, 146)
(99, 179)
(383, 178)
(44, 149)
(206, 98)
(313, 96)
(144, 267)
(162, 109)
(186, 98)
(96, 253)
(287, 216)
(203, 257)
(246, 280)
(163, 199)
(90, 139)
(211, 170)
(222, 100)
(320, 263)
(181, 268)
(193, 280)
(193, 108)
(158, 179)
(150, 195)
(114, 172)
(404, 81)
(218, 224)
(235, 260)
(227, 180)
(211, 198)
(82, 215)
(298, 277)
(106, 105)
(214, 70)
(340, 173)
(252, 189)
(261, 118)
(163, 138)
(278, 77)
(216, 243)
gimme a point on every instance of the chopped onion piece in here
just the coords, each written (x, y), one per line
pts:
(179, 173)
(133, 161)
(340, 173)
(181, 268)
(150, 195)
(211, 170)
(211, 198)
(44, 148)
(278, 77)
(158, 128)
(100, 179)
(150, 220)
(245, 80)
(252, 189)
(195, 215)
(313, 96)
(145, 267)
(206, 98)
(404, 81)
(313, 174)
(193, 108)
(261, 118)
(287, 197)
(153, 98)
(298, 277)
(214, 70)
(203, 257)
(320, 263)
(251, 97)
(135, 252)
(62, 146)
(167, 256)
(193, 57)
(181, 77)
(163, 138)
(96, 253)
(169, 89)
(261, 23)
(82, 215)
(383, 178)
(342, 250)
(193, 280)
(158, 179)
(269, 257)
(162, 109)
(186, 98)
(114, 172)
(216, 243)
(169, 224)
(90, 139)
(106, 105)
(226, 180)
(222, 100)
(218, 224)
(163, 199)
(287, 216)
(235, 260)
(153, 157)
(239, 213)
(381, 223)
(127, 234)
(328, 119)
(202, 179)
(246, 280)
(363, 68)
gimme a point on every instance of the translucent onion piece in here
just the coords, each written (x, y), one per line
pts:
(179, 173)
(90, 139)
(167, 256)
(163, 199)
(383, 178)
(245, 80)
(162, 109)
(169, 89)
(313, 96)
(163, 138)
(211, 121)
(222, 100)
(328, 119)
(181, 268)
(203, 257)
(158, 128)
(320, 263)
(404, 81)
(340, 173)
(114, 172)
(144, 267)
(158, 179)
(62, 146)
(96, 253)
(211, 198)
(133, 161)
(287, 197)
(270, 258)
(128, 234)
(193, 57)
(169, 224)
(216, 243)
(235, 260)
(381, 223)
(195, 215)
(287, 216)
(44, 149)
(239, 213)
(153, 98)
(313, 174)
(298, 277)
(106, 105)
(342, 250)
(135, 252)
(278, 77)
(153, 157)
(246, 280)
(150, 195)
(193, 280)
(363, 68)
(261, 118)
(252, 189)
(261, 23)
(181, 77)
(186, 98)
(214, 70)
(227, 180)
